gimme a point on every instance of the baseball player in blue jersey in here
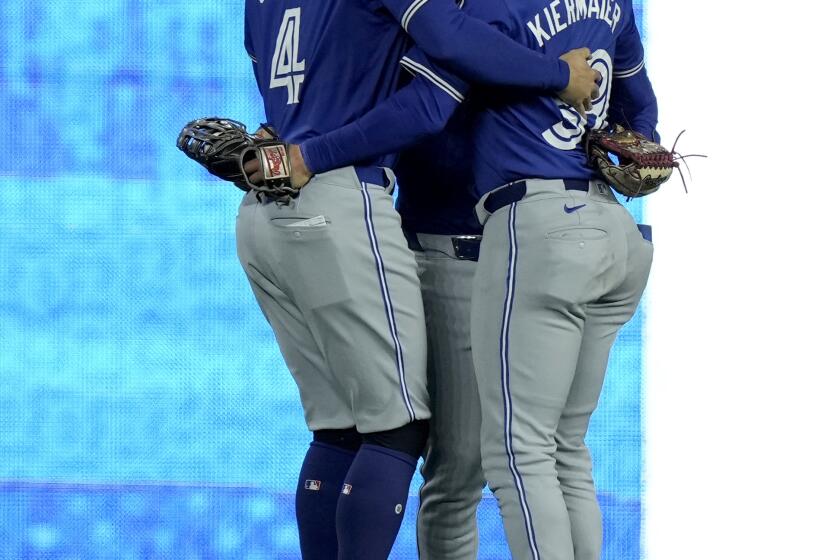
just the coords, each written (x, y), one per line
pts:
(436, 206)
(562, 268)
(437, 210)
(331, 268)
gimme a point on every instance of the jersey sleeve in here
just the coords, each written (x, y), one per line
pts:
(249, 49)
(629, 52)
(417, 64)
(633, 104)
(416, 111)
(475, 49)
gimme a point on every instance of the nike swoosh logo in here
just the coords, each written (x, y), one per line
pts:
(573, 208)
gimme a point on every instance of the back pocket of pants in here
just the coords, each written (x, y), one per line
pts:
(577, 234)
(315, 266)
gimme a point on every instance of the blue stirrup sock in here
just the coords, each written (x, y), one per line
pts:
(372, 503)
(319, 487)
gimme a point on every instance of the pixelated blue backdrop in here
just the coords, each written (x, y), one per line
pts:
(145, 411)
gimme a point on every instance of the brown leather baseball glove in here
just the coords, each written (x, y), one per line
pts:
(642, 165)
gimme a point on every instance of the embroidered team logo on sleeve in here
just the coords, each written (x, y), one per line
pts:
(286, 68)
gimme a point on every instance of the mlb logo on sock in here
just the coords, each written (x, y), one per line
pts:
(314, 485)
(347, 489)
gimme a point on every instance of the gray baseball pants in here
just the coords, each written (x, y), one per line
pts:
(453, 480)
(336, 280)
(560, 272)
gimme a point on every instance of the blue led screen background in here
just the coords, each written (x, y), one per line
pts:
(145, 411)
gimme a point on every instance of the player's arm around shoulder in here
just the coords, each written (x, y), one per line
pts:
(418, 110)
(582, 82)
(473, 48)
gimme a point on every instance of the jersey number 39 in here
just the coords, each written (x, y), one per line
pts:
(286, 69)
(568, 132)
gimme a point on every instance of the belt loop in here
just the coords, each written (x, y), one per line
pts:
(513, 192)
(390, 179)
(374, 175)
(499, 198)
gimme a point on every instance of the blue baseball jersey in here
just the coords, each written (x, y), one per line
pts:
(320, 65)
(435, 178)
(435, 175)
(521, 136)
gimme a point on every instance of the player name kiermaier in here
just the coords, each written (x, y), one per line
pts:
(550, 21)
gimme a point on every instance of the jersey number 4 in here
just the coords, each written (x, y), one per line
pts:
(286, 69)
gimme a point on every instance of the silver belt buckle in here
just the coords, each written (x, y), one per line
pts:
(466, 247)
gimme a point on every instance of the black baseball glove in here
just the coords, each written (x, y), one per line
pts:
(223, 146)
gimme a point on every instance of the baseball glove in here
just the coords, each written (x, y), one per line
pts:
(642, 165)
(222, 146)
